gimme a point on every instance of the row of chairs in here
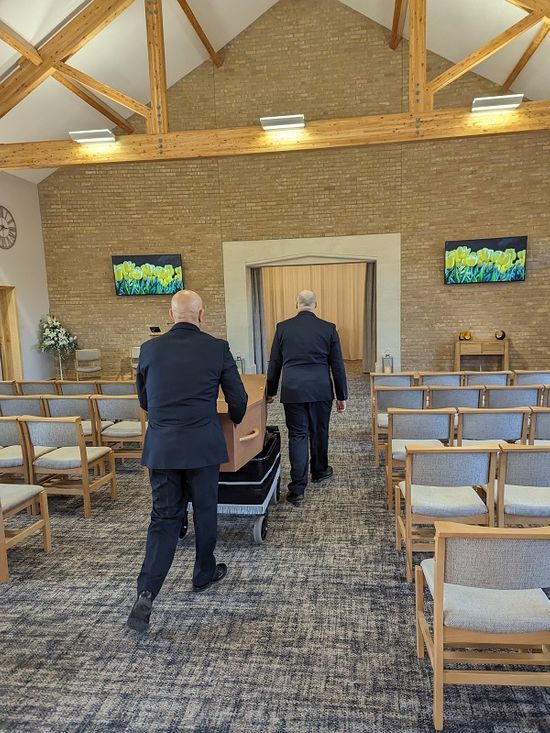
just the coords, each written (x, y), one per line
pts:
(459, 379)
(438, 397)
(67, 387)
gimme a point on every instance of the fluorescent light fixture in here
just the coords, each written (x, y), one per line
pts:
(92, 136)
(492, 104)
(283, 122)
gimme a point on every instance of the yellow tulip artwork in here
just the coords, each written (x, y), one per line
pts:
(485, 260)
(147, 274)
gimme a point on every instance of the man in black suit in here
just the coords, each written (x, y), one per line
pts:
(178, 378)
(307, 350)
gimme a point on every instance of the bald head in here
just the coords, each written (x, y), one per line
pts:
(187, 307)
(306, 300)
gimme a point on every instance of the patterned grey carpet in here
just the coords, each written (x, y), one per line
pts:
(312, 632)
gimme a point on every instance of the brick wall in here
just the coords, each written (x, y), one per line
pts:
(323, 59)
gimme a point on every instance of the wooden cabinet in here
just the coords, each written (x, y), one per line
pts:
(482, 349)
(246, 440)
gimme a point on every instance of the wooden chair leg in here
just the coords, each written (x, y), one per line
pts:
(45, 514)
(419, 577)
(86, 493)
(408, 554)
(438, 687)
(397, 514)
(112, 470)
(4, 570)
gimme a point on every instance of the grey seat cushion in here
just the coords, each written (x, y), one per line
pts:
(382, 419)
(87, 426)
(541, 442)
(445, 501)
(398, 446)
(12, 455)
(123, 429)
(493, 611)
(68, 457)
(13, 494)
(490, 444)
(528, 501)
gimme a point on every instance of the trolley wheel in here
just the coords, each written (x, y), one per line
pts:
(276, 497)
(260, 529)
(184, 527)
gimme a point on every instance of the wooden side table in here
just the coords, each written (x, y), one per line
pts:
(481, 349)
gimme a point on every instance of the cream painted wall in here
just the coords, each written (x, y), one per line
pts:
(24, 267)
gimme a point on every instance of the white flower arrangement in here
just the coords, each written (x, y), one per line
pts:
(55, 337)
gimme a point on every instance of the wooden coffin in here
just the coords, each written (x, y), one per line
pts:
(246, 440)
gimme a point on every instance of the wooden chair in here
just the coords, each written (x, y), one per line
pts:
(134, 358)
(75, 406)
(116, 387)
(439, 484)
(539, 429)
(488, 608)
(20, 405)
(15, 498)
(8, 387)
(444, 397)
(46, 386)
(421, 427)
(484, 379)
(126, 433)
(528, 377)
(523, 491)
(489, 427)
(546, 397)
(14, 459)
(87, 362)
(69, 459)
(514, 396)
(70, 387)
(410, 398)
(440, 379)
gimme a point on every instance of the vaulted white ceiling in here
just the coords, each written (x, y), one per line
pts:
(118, 55)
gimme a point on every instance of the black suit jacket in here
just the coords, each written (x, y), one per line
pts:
(178, 378)
(307, 350)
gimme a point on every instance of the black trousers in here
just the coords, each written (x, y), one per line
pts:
(172, 489)
(307, 424)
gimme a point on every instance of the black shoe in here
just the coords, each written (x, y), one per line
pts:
(295, 499)
(219, 574)
(138, 620)
(323, 476)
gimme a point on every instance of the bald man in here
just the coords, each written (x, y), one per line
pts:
(307, 351)
(178, 378)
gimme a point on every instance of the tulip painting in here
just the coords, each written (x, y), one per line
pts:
(148, 274)
(485, 260)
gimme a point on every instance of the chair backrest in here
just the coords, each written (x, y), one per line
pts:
(38, 388)
(86, 355)
(540, 424)
(491, 557)
(441, 379)
(20, 405)
(117, 407)
(116, 387)
(77, 388)
(546, 397)
(421, 424)
(8, 387)
(405, 397)
(68, 406)
(53, 432)
(498, 379)
(455, 397)
(532, 377)
(493, 424)
(512, 396)
(134, 352)
(449, 466)
(526, 465)
(395, 379)
(9, 433)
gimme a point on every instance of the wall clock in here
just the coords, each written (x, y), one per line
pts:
(8, 228)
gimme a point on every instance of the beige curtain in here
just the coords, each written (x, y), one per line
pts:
(340, 293)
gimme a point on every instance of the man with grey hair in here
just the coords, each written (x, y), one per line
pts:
(307, 351)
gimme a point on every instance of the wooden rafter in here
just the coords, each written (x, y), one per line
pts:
(353, 132)
(399, 14)
(526, 57)
(540, 6)
(97, 86)
(419, 99)
(93, 101)
(483, 53)
(13, 39)
(200, 32)
(70, 39)
(158, 119)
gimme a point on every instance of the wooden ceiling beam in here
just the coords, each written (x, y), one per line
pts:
(419, 98)
(158, 120)
(483, 53)
(97, 86)
(540, 6)
(93, 101)
(66, 42)
(441, 124)
(526, 57)
(399, 15)
(13, 39)
(214, 55)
